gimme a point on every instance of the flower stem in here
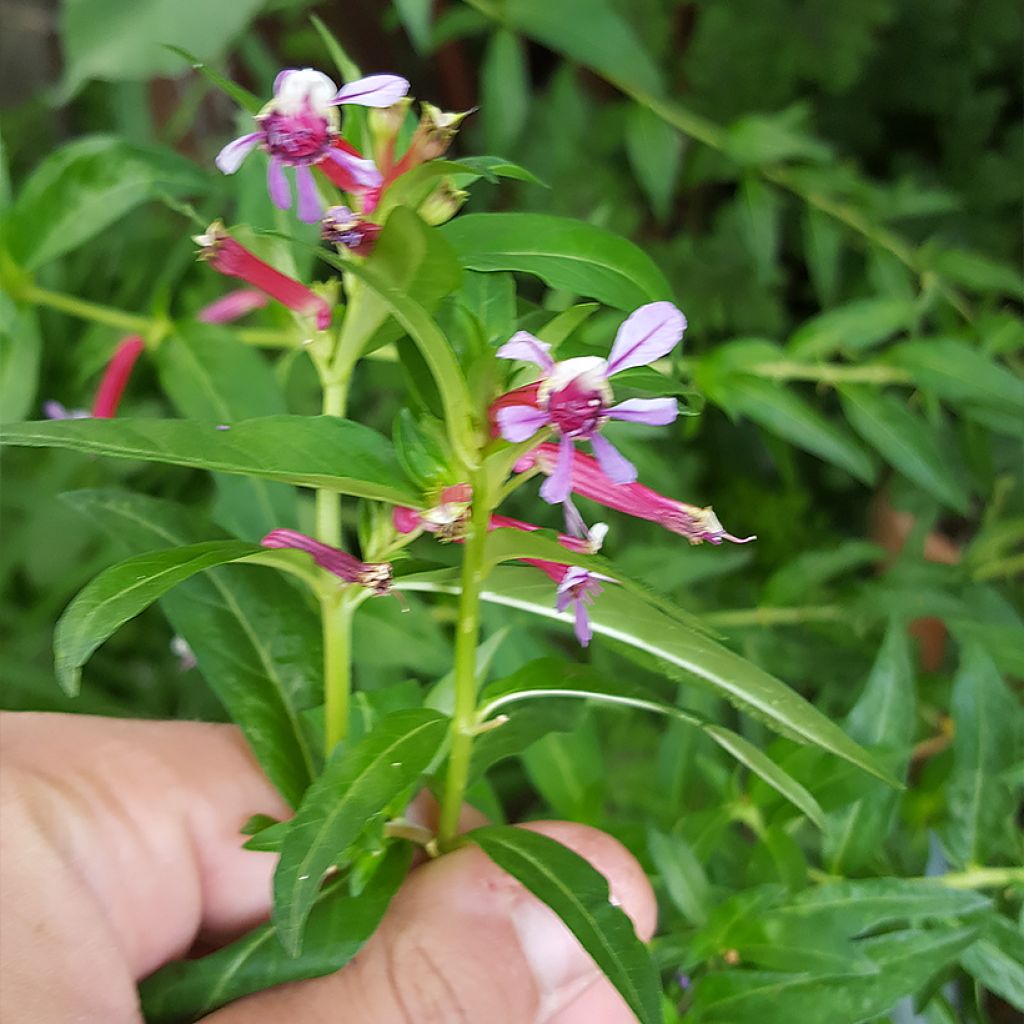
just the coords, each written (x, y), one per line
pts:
(466, 639)
(93, 311)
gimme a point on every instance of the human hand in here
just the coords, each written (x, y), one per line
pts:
(120, 850)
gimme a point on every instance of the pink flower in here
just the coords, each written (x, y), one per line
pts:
(340, 226)
(232, 306)
(115, 377)
(54, 410)
(575, 397)
(588, 479)
(230, 258)
(375, 576)
(298, 128)
(446, 519)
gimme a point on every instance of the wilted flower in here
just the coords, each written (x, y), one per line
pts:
(340, 226)
(232, 306)
(233, 260)
(300, 127)
(375, 576)
(589, 480)
(575, 395)
(447, 519)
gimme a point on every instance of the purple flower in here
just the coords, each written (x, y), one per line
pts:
(375, 576)
(54, 410)
(298, 127)
(578, 587)
(575, 395)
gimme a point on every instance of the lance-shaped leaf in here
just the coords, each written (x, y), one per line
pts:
(339, 925)
(579, 895)
(122, 591)
(550, 679)
(564, 253)
(255, 638)
(640, 627)
(356, 786)
(309, 451)
(997, 960)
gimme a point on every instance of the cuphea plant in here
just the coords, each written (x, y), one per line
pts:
(477, 426)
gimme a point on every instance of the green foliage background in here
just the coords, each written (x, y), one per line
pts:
(834, 193)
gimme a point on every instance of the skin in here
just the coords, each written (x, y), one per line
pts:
(120, 850)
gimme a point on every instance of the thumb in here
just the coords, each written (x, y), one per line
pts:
(465, 942)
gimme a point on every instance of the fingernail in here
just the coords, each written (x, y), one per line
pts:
(560, 967)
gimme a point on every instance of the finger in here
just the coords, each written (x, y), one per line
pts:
(464, 942)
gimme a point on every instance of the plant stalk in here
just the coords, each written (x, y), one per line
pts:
(86, 310)
(467, 636)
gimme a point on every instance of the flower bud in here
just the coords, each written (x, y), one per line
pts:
(340, 226)
(435, 132)
(442, 204)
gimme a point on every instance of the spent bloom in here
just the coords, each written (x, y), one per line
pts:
(375, 576)
(575, 397)
(340, 226)
(232, 259)
(300, 127)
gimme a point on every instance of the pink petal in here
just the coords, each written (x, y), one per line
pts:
(230, 158)
(655, 412)
(558, 486)
(310, 207)
(519, 422)
(649, 333)
(523, 345)
(584, 634)
(616, 467)
(373, 91)
(232, 306)
(277, 185)
(364, 172)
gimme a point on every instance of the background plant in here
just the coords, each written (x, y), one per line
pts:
(835, 208)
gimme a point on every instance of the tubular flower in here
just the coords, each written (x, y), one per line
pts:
(575, 395)
(230, 258)
(340, 226)
(446, 519)
(232, 306)
(115, 377)
(589, 480)
(375, 576)
(300, 126)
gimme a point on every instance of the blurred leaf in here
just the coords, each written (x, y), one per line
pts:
(579, 895)
(20, 351)
(86, 186)
(682, 875)
(421, 454)
(975, 271)
(905, 441)
(760, 209)
(905, 961)
(338, 927)
(981, 801)
(294, 449)
(248, 102)
(347, 68)
(122, 592)
(212, 378)
(100, 41)
(579, 257)
(851, 328)
(760, 139)
(958, 372)
(568, 770)
(996, 960)
(655, 151)
(504, 91)
(588, 31)
(356, 786)
(882, 717)
(805, 575)
(254, 636)
(823, 247)
(416, 16)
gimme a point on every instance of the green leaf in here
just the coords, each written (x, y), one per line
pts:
(416, 16)
(254, 636)
(21, 347)
(298, 450)
(356, 786)
(121, 592)
(86, 186)
(491, 298)
(958, 372)
(905, 961)
(565, 253)
(853, 328)
(591, 32)
(760, 209)
(757, 140)
(882, 717)
(783, 412)
(996, 960)
(623, 617)
(99, 40)
(579, 895)
(682, 874)
(974, 271)
(655, 150)
(338, 927)
(347, 68)
(805, 575)
(980, 798)
(824, 240)
(905, 441)
(419, 451)
(248, 102)
(211, 377)
(504, 91)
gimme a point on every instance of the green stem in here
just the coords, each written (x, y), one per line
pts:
(93, 311)
(467, 634)
(775, 616)
(831, 373)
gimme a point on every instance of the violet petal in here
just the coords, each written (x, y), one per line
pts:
(519, 422)
(281, 76)
(363, 171)
(373, 91)
(615, 465)
(655, 412)
(648, 333)
(277, 185)
(558, 486)
(524, 346)
(230, 158)
(310, 207)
